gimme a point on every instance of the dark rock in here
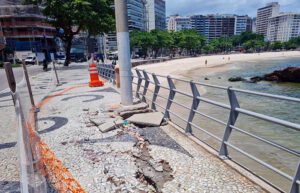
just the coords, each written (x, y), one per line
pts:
(236, 79)
(290, 74)
(256, 79)
(206, 78)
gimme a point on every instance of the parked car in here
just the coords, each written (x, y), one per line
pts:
(61, 60)
(30, 60)
(112, 56)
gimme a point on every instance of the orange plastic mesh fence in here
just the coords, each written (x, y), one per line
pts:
(47, 163)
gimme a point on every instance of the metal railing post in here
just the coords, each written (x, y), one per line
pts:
(231, 121)
(139, 83)
(147, 81)
(170, 98)
(194, 107)
(100, 71)
(28, 83)
(295, 185)
(54, 68)
(105, 71)
(11, 80)
(156, 90)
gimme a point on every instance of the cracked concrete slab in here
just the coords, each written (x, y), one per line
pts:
(147, 119)
(110, 125)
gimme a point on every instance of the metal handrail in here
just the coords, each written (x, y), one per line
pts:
(260, 161)
(208, 133)
(183, 106)
(270, 119)
(107, 72)
(214, 103)
(267, 141)
(233, 110)
(267, 95)
(210, 117)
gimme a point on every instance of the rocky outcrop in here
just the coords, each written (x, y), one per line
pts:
(236, 79)
(290, 74)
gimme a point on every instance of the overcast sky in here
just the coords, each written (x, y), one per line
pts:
(240, 7)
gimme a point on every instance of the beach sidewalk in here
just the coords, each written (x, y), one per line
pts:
(128, 159)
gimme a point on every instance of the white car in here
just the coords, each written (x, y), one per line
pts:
(30, 60)
(61, 60)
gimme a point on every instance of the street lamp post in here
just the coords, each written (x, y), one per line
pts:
(124, 52)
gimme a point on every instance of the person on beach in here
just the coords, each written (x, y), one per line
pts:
(205, 63)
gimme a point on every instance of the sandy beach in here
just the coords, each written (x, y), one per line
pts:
(215, 63)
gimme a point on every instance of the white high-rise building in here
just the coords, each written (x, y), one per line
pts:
(263, 15)
(156, 14)
(283, 27)
(178, 23)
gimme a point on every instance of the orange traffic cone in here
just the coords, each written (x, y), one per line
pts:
(95, 82)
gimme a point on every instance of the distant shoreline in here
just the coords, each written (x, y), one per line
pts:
(215, 63)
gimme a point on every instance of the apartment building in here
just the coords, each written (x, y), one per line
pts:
(283, 27)
(25, 28)
(156, 14)
(263, 15)
(177, 23)
(214, 26)
(242, 24)
(143, 15)
(201, 24)
(137, 17)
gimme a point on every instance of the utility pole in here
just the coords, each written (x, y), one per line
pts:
(124, 52)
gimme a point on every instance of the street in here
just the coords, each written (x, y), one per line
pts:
(18, 72)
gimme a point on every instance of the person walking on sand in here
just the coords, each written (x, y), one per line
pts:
(205, 63)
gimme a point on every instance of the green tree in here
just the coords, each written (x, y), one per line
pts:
(161, 39)
(208, 49)
(253, 45)
(236, 40)
(175, 42)
(191, 40)
(246, 36)
(277, 45)
(289, 45)
(294, 43)
(142, 40)
(73, 16)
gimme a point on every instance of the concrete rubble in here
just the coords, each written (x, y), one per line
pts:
(139, 114)
(111, 125)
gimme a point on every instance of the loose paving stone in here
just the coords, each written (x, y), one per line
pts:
(147, 119)
(127, 114)
(139, 106)
(110, 125)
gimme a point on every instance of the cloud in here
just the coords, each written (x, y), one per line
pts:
(241, 7)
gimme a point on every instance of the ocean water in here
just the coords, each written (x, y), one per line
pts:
(289, 111)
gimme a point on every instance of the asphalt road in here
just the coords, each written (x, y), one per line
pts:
(18, 72)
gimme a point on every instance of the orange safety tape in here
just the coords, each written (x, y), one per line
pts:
(48, 164)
